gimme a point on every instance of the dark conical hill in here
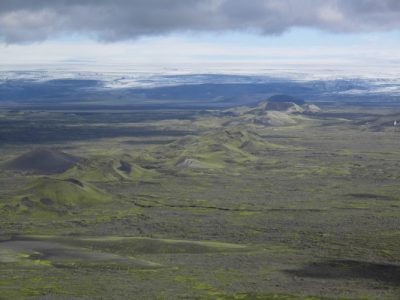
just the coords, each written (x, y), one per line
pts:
(43, 161)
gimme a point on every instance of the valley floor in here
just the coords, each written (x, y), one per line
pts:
(189, 206)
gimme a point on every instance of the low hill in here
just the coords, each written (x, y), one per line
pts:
(311, 108)
(43, 161)
(289, 107)
(389, 122)
(109, 170)
(272, 118)
(214, 150)
(59, 195)
(272, 112)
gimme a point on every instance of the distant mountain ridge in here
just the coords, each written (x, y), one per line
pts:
(286, 98)
(192, 90)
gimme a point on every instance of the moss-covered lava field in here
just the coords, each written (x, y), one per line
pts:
(242, 203)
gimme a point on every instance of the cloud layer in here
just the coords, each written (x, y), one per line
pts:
(24, 21)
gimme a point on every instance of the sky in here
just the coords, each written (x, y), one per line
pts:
(239, 36)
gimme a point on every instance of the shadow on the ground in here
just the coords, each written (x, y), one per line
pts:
(350, 269)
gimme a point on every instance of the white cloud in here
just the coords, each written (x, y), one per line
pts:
(178, 53)
(26, 21)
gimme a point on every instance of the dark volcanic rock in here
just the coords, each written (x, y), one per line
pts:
(279, 106)
(75, 181)
(43, 161)
(125, 167)
(286, 98)
(47, 201)
(27, 202)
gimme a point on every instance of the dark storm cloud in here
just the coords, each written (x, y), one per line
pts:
(35, 20)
